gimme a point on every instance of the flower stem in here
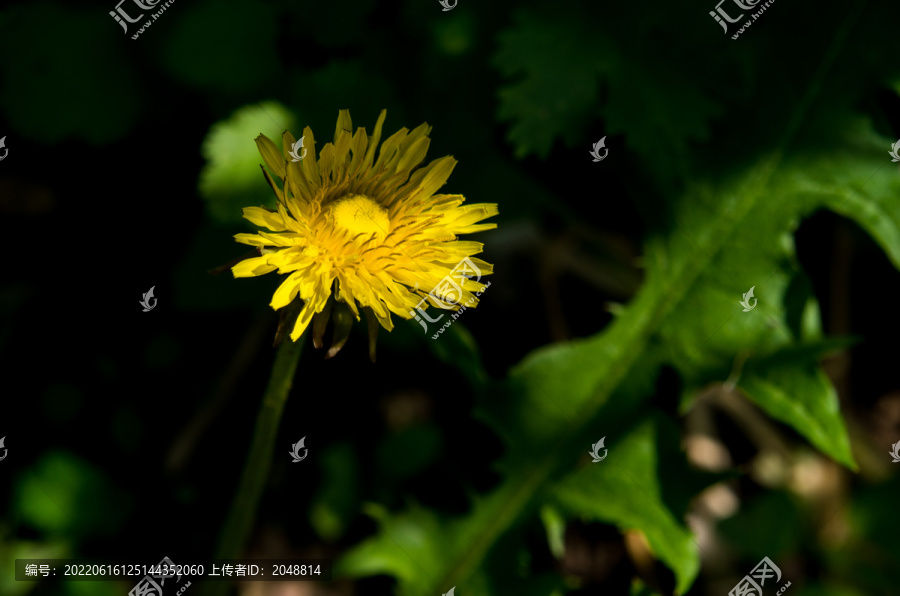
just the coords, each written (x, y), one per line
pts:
(259, 461)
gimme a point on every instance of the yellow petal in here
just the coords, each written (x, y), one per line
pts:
(280, 239)
(271, 155)
(309, 166)
(417, 133)
(358, 149)
(414, 155)
(251, 239)
(389, 149)
(278, 192)
(341, 154)
(373, 142)
(315, 304)
(438, 172)
(252, 267)
(344, 123)
(262, 217)
(287, 290)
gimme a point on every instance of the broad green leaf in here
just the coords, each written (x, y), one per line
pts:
(410, 546)
(65, 496)
(624, 490)
(729, 230)
(792, 388)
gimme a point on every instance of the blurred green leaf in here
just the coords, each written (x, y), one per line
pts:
(456, 347)
(25, 549)
(63, 495)
(728, 233)
(410, 546)
(624, 490)
(231, 178)
(790, 387)
(43, 86)
(221, 45)
(557, 60)
(409, 451)
(335, 501)
(555, 526)
(455, 35)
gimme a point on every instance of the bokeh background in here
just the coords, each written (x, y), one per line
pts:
(128, 164)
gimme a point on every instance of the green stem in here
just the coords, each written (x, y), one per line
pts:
(259, 461)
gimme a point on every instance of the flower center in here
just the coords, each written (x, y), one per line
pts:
(360, 214)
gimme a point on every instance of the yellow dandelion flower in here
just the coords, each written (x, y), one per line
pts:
(355, 232)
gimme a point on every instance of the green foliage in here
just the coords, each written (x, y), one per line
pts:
(724, 149)
(222, 45)
(548, 101)
(44, 84)
(727, 231)
(231, 178)
(627, 494)
(59, 486)
(335, 501)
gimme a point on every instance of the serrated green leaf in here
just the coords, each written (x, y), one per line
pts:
(790, 387)
(729, 231)
(557, 63)
(624, 490)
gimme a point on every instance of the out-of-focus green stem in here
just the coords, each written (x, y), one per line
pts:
(259, 460)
